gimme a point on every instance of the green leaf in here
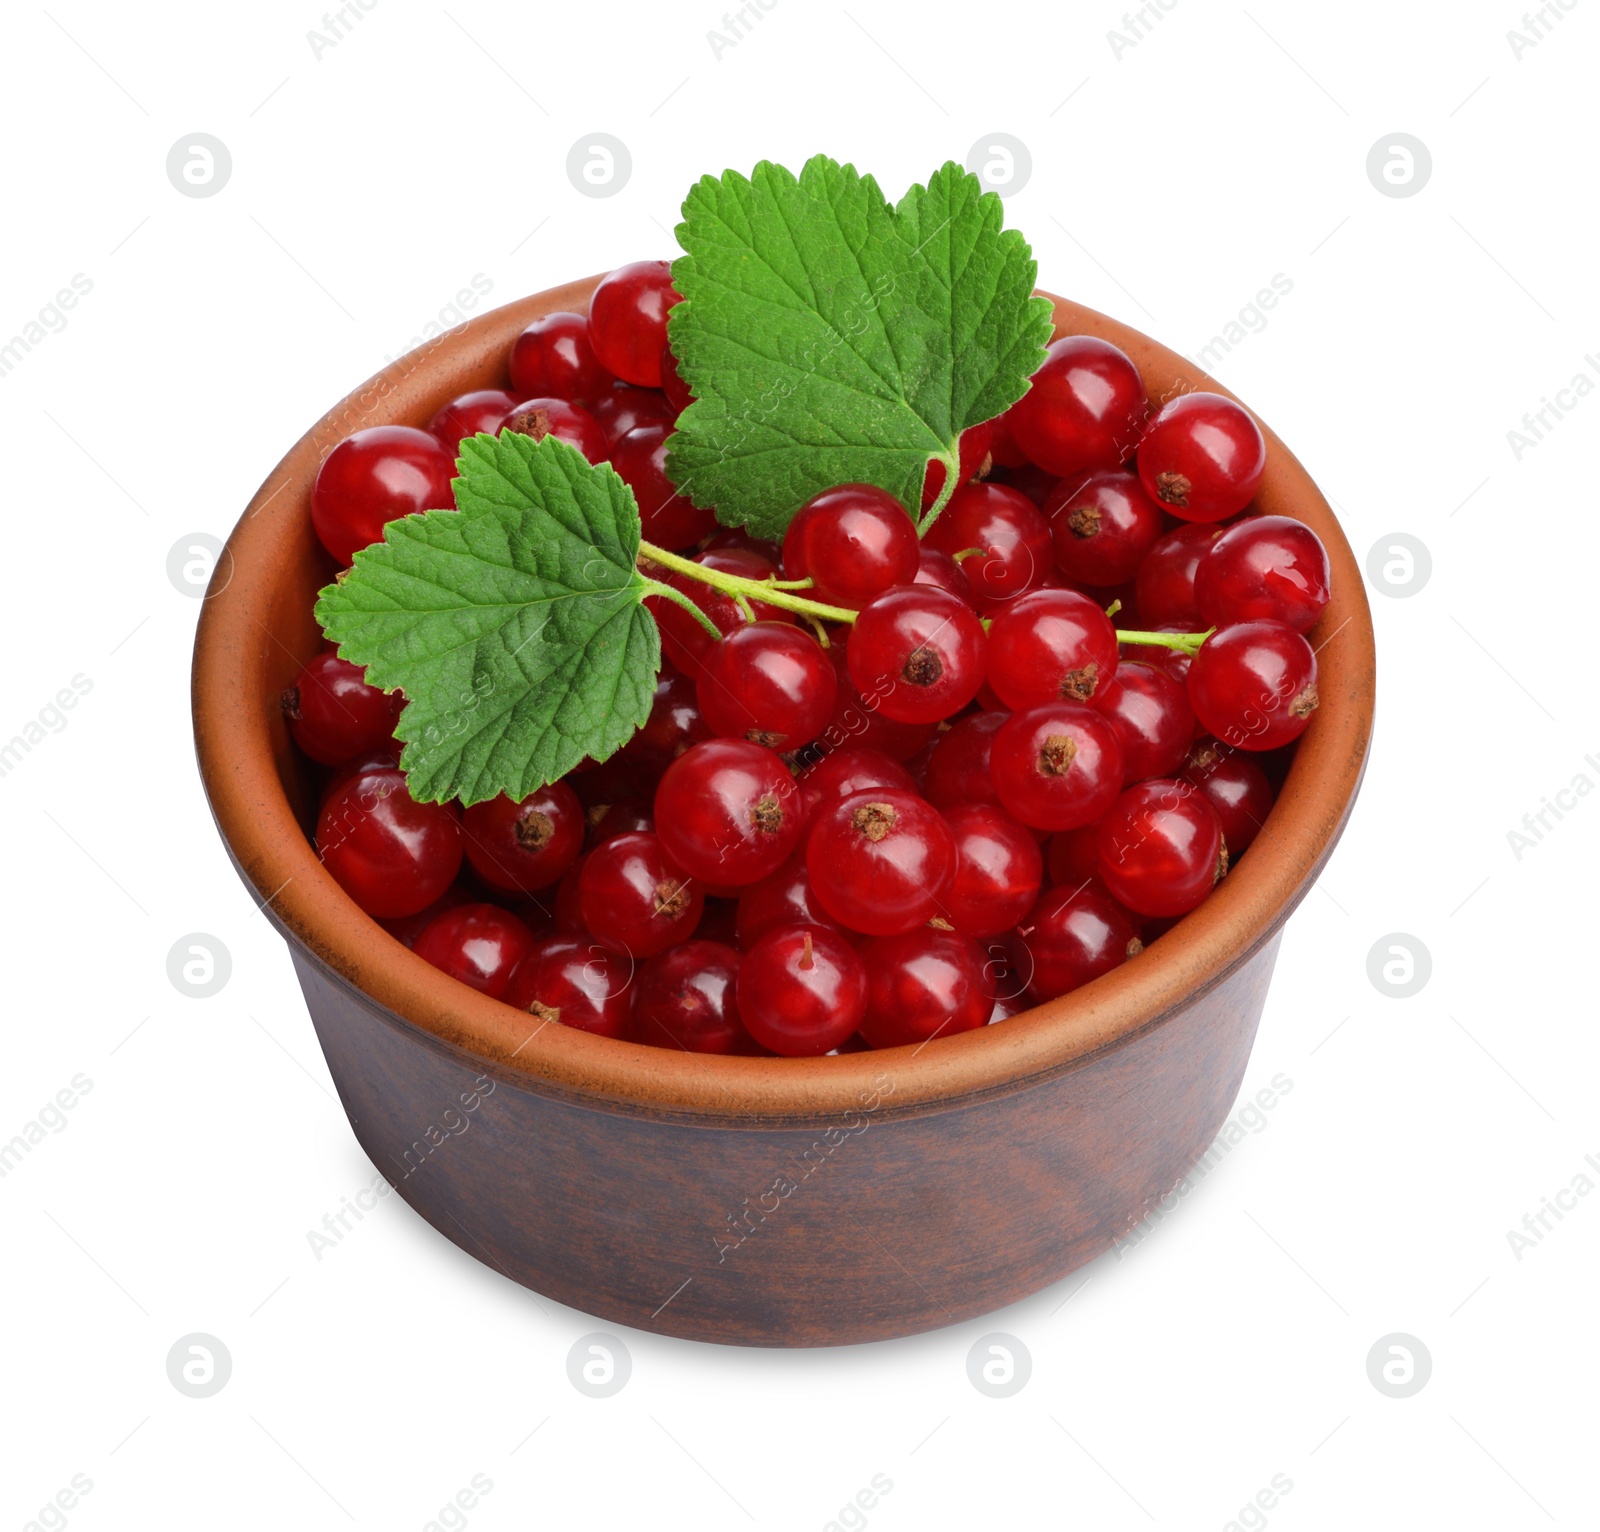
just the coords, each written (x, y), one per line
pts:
(829, 337)
(513, 624)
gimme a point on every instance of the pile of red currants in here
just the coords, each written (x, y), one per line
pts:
(833, 836)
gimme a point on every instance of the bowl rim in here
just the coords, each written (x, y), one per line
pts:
(264, 838)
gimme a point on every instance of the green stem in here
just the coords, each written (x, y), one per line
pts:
(1187, 643)
(770, 591)
(952, 471)
(657, 588)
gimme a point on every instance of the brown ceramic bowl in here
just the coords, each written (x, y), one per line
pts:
(775, 1202)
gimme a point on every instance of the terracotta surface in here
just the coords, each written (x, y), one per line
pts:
(966, 1174)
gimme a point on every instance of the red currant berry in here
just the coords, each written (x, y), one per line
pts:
(936, 568)
(635, 898)
(575, 981)
(1151, 713)
(881, 861)
(667, 519)
(552, 359)
(768, 682)
(374, 477)
(1202, 457)
(672, 384)
(685, 999)
(1071, 857)
(1102, 527)
(673, 726)
(1266, 568)
(1007, 528)
(1084, 409)
(1237, 787)
(1175, 662)
(334, 715)
(917, 652)
(924, 984)
(479, 944)
(852, 543)
(802, 990)
(571, 423)
(858, 721)
(998, 870)
(1051, 646)
(972, 453)
(1254, 685)
(852, 769)
(628, 320)
(1003, 448)
(1057, 766)
(1163, 590)
(729, 812)
(1074, 934)
(1160, 849)
(686, 641)
(626, 408)
(482, 410)
(958, 769)
(784, 898)
(392, 855)
(526, 846)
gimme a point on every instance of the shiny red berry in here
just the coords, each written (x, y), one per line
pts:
(552, 359)
(1057, 766)
(1074, 934)
(667, 519)
(392, 855)
(685, 999)
(972, 452)
(1202, 457)
(1164, 587)
(628, 320)
(479, 944)
(625, 408)
(999, 869)
(881, 861)
(1254, 685)
(1151, 713)
(575, 981)
(802, 990)
(729, 812)
(958, 769)
(635, 898)
(482, 410)
(672, 384)
(917, 653)
(860, 720)
(571, 423)
(1269, 567)
(782, 898)
(851, 769)
(334, 715)
(1160, 849)
(1102, 527)
(852, 542)
(924, 984)
(1084, 409)
(374, 477)
(683, 639)
(1009, 532)
(1237, 787)
(769, 682)
(674, 724)
(523, 847)
(1051, 646)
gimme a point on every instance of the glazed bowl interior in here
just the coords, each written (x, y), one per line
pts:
(257, 630)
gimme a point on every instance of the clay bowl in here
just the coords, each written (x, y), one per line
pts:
(770, 1202)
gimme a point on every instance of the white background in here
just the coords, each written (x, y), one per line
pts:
(1171, 180)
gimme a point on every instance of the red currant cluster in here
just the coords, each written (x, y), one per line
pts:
(976, 795)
